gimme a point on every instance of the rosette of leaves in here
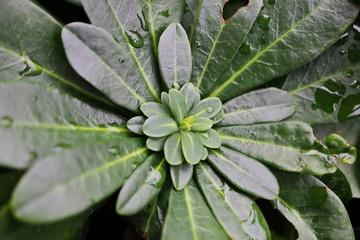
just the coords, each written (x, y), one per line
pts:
(151, 88)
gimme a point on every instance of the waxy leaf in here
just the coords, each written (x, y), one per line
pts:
(189, 91)
(245, 173)
(239, 216)
(210, 139)
(190, 218)
(143, 186)
(215, 41)
(173, 149)
(329, 92)
(177, 105)
(135, 124)
(49, 191)
(181, 175)
(267, 105)
(159, 126)
(165, 99)
(155, 109)
(285, 145)
(208, 107)
(201, 124)
(156, 144)
(175, 56)
(191, 147)
(286, 35)
(314, 210)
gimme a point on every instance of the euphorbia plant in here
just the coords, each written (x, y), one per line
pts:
(161, 104)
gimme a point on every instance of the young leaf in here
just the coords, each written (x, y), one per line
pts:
(49, 191)
(277, 44)
(312, 208)
(175, 56)
(165, 99)
(218, 117)
(201, 124)
(240, 217)
(210, 139)
(155, 109)
(181, 175)
(189, 92)
(329, 92)
(267, 105)
(156, 144)
(135, 124)
(245, 173)
(159, 126)
(173, 149)
(143, 186)
(285, 145)
(177, 105)
(208, 107)
(191, 147)
(190, 218)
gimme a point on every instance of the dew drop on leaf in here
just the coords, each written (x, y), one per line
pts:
(6, 122)
(245, 49)
(349, 73)
(209, 109)
(197, 44)
(342, 52)
(135, 38)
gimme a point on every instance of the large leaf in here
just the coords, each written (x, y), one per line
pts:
(267, 105)
(31, 49)
(286, 35)
(215, 41)
(328, 89)
(238, 214)
(245, 173)
(37, 120)
(189, 217)
(12, 229)
(8, 181)
(50, 189)
(285, 145)
(315, 211)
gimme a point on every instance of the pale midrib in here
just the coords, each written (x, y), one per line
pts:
(195, 21)
(189, 210)
(152, 28)
(148, 220)
(68, 127)
(175, 57)
(134, 57)
(254, 141)
(257, 56)
(323, 79)
(199, 81)
(254, 108)
(81, 176)
(52, 74)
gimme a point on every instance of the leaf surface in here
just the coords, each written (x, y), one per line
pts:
(191, 147)
(181, 175)
(159, 126)
(173, 149)
(189, 217)
(286, 35)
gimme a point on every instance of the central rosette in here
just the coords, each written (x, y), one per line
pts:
(181, 125)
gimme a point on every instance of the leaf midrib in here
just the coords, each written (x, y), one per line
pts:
(190, 214)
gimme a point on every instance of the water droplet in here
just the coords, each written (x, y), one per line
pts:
(355, 84)
(271, 2)
(349, 73)
(31, 68)
(121, 60)
(354, 53)
(342, 52)
(176, 85)
(135, 38)
(197, 44)
(344, 38)
(209, 109)
(6, 122)
(327, 96)
(264, 21)
(262, 39)
(245, 49)
(143, 22)
(318, 196)
(165, 13)
(34, 98)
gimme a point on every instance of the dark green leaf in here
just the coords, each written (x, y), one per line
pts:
(286, 35)
(245, 173)
(143, 186)
(210, 139)
(156, 144)
(208, 107)
(329, 92)
(181, 175)
(53, 122)
(76, 2)
(159, 126)
(12, 229)
(190, 218)
(240, 217)
(267, 105)
(173, 150)
(201, 124)
(8, 181)
(191, 147)
(215, 41)
(175, 56)
(135, 124)
(155, 109)
(314, 210)
(285, 145)
(177, 105)
(49, 191)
